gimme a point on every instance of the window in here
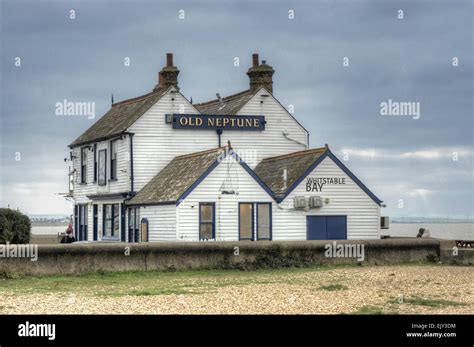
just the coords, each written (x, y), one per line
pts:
(264, 221)
(263, 225)
(111, 220)
(245, 221)
(83, 165)
(144, 230)
(133, 224)
(95, 221)
(206, 220)
(113, 160)
(102, 167)
(95, 162)
(76, 221)
(83, 212)
(80, 222)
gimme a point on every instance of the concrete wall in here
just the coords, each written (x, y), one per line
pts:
(450, 254)
(44, 239)
(84, 258)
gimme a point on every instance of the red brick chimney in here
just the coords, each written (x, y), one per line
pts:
(260, 75)
(168, 76)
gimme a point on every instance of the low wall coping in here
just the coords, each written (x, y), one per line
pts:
(159, 247)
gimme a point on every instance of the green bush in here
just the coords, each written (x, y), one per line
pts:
(432, 258)
(15, 227)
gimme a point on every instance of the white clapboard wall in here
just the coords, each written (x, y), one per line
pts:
(363, 214)
(270, 142)
(156, 143)
(226, 205)
(168, 222)
(120, 185)
(161, 222)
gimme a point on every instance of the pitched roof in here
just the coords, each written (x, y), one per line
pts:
(231, 105)
(119, 118)
(270, 170)
(184, 173)
(227, 105)
(176, 178)
(298, 166)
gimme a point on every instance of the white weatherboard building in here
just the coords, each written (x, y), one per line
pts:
(159, 168)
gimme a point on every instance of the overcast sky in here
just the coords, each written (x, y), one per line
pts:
(409, 59)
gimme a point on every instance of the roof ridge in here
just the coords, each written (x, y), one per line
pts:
(195, 154)
(226, 98)
(138, 98)
(296, 154)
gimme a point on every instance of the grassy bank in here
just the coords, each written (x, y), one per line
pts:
(160, 282)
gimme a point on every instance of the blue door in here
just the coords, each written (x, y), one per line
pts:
(326, 227)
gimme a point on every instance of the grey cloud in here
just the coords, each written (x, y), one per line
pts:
(402, 60)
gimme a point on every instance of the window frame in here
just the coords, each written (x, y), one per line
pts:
(76, 221)
(134, 224)
(145, 223)
(269, 221)
(95, 163)
(112, 222)
(113, 162)
(104, 181)
(252, 238)
(213, 223)
(83, 222)
(84, 165)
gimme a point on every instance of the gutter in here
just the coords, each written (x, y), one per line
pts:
(144, 204)
(99, 139)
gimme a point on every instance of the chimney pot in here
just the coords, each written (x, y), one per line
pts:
(255, 59)
(169, 59)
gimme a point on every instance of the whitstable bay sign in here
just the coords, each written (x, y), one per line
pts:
(316, 184)
(223, 122)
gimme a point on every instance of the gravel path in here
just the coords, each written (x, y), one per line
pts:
(360, 289)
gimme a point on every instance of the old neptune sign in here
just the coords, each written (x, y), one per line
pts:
(224, 122)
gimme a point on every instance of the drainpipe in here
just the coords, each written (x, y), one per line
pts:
(286, 135)
(132, 188)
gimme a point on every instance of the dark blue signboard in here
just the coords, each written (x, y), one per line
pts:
(223, 122)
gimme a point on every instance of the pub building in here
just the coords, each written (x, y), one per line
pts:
(160, 168)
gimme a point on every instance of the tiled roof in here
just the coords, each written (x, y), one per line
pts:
(228, 105)
(270, 170)
(185, 172)
(176, 178)
(119, 118)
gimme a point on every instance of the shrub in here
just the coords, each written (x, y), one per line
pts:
(432, 258)
(15, 227)
(8, 274)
